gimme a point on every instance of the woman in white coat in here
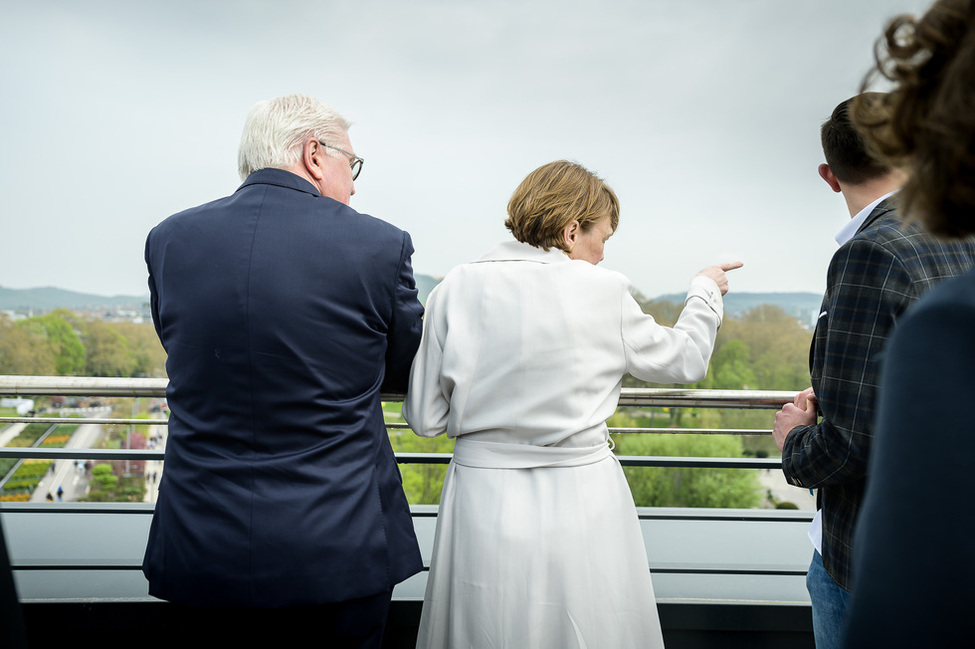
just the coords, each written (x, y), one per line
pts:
(522, 359)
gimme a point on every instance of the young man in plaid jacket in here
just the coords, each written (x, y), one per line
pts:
(882, 266)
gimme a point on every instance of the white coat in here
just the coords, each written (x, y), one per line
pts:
(522, 359)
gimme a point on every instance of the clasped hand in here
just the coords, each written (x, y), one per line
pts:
(801, 412)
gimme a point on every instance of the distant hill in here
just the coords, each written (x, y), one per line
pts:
(803, 306)
(49, 298)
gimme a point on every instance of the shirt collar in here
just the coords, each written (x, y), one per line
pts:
(853, 225)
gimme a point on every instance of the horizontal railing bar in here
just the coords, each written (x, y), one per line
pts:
(696, 431)
(144, 387)
(81, 420)
(430, 510)
(389, 425)
(402, 458)
(632, 460)
(693, 397)
(79, 453)
(701, 462)
(678, 569)
(85, 386)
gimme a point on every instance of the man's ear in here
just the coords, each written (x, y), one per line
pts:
(570, 233)
(827, 174)
(311, 158)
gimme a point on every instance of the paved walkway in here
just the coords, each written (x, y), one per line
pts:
(70, 475)
(10, 432)
(774, 481)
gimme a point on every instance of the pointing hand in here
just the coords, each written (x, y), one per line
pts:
(717, 273)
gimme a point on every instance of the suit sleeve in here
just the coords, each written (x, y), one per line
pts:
(153, 295)
(678, 354)
(406, 323)
(869, 288)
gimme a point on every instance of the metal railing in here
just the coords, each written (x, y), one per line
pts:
(702, 559)
(70, 386)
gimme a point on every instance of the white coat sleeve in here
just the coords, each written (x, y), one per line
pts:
(427, 403)
(678, 354)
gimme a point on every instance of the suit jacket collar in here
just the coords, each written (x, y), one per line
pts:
(885, 206)
(281, 178)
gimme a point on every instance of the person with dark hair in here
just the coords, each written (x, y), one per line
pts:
(914, 578)
(881, 267)
(523, 355)
(847, 157)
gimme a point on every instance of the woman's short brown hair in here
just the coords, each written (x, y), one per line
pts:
(552, 197)
(926, 125)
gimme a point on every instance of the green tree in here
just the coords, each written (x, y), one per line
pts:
(766, 349)
(732, 367)
(108, 353)
(778, 347)
(59, 327)
(148, 354)
(421, 482)
(24, 350)
(103, 476)
(688, 487)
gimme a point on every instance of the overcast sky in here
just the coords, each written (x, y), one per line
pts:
(703, 115)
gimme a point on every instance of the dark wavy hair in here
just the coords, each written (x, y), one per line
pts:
(926, 124)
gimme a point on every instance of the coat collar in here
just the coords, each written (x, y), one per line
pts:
(281, 178)
(518, 251)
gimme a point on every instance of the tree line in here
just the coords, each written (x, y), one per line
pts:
(763, 349)
(62, 343)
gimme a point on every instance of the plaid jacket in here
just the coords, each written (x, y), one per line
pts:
(872, 279)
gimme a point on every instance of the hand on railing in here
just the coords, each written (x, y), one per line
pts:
(801, 412)
(804, 396)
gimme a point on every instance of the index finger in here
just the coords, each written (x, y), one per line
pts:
(731, 265)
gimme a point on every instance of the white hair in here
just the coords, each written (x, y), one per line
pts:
(276, 130)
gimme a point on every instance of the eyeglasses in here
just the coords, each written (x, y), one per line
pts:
(355, 162)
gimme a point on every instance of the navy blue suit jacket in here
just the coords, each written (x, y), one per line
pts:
(283, 314)
(914, 571)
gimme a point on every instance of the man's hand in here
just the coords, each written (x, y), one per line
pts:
(802, 397)
(800, 413)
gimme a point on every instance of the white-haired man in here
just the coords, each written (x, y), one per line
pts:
(283, 312)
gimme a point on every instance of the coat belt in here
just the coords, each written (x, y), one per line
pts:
(498, 455)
